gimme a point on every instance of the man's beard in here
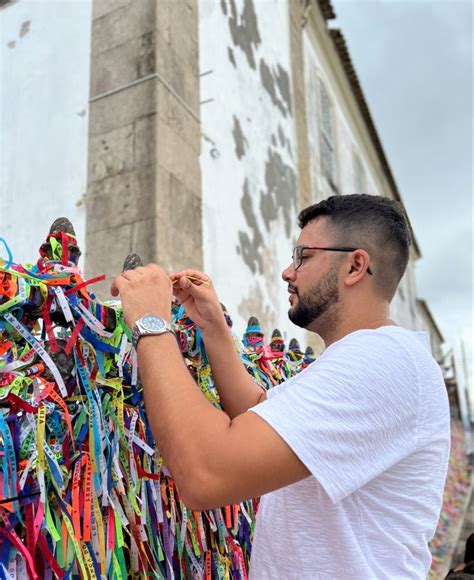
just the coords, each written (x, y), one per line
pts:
(315, 302)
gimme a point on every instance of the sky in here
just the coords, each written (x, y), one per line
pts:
(414, 62)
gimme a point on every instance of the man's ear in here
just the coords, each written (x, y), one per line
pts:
(358, 264)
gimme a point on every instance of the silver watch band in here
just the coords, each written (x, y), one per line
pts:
(149, 325)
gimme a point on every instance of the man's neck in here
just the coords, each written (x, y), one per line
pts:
(341, 333)
(342, 325)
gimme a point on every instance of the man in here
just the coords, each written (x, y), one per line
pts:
(350, 455)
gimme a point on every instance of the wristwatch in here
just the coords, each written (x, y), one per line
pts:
(149, 325)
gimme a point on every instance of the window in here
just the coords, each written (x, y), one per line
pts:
(360, 181)
(328, 156)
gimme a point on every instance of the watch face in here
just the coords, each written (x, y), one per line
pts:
(153, 323)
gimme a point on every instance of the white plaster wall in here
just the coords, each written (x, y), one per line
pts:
(237, 91)
(44, 74)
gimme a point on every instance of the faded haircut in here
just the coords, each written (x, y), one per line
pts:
(373, 223)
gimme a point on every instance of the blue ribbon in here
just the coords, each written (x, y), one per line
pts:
(10, 255)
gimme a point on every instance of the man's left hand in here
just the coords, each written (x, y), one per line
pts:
(145, 290)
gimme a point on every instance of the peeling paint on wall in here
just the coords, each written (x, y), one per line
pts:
(281, 136)
(25, 28)
(284, 141)
(239, 139)
(250, 249)
(277, 86)
(244, 29)
(230, 52)
(283, 83)
(281, 193)
(250, 192)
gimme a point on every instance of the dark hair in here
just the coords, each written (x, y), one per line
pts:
(376, 224)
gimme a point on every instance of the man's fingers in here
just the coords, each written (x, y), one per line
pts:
(124, 278)
(117, 285)
(195, 276)
(189, 272)
(114, 290)
(192, 285)
(184, 282)
(185, 288)
(131, 274)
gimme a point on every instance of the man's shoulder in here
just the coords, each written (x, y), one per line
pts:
(383, 333)
(381, 362)
(385, 345)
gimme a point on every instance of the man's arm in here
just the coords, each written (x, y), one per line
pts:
(213, 459)
(237, 390)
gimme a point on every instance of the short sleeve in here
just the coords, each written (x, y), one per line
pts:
(352, 414)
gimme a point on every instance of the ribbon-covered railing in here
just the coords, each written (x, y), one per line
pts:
(83, 489)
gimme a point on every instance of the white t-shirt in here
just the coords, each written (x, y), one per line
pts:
(370, 420)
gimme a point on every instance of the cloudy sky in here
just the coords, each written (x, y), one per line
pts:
(414, 62)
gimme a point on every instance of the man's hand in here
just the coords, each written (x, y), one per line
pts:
(145, 290)
(238, 392)
(195, 292)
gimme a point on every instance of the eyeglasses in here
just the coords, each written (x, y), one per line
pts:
(298, 257)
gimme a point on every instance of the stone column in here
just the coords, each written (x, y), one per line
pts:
(144, 183)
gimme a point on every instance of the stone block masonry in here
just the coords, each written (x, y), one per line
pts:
(144, 182)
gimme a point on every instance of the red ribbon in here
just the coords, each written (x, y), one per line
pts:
(56, 568)
(142, 473)
(49, 326)
(17, 402)
(84, 284)
(74, 335)
(65, 249)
